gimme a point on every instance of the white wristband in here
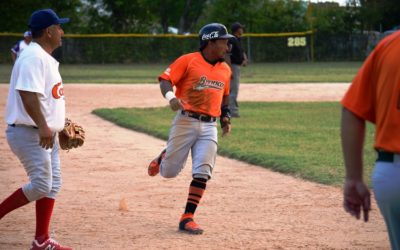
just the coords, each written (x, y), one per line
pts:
(170, 95)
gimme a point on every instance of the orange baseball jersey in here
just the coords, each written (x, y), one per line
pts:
(199, 84)
(375, 91)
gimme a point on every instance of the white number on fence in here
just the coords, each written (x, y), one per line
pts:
(297, 42)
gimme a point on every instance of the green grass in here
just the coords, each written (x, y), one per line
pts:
(300, 139)
(300, 72)
(253, 73)
(123, 73)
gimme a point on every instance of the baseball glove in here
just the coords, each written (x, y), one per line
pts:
(72, 136)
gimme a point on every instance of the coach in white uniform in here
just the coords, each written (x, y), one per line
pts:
(35, 112)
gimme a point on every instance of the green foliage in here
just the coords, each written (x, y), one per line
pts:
(281, 16)
(378, 14)
(330, 20)
(259, 16)
(133, 16)
(142, 16)
(339, 30)
(14, 15)
(300, 139)
(180, 14)
(227, 12)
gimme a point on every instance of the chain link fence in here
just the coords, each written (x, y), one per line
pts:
(142, 48)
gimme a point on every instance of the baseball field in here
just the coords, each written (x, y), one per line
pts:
(301, 72)
(109, 202)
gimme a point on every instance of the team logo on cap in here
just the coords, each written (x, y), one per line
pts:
(212, 35)
(57, 91)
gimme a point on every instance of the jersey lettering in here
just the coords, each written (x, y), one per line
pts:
(58, 91)
(204, 84)
(200, 85)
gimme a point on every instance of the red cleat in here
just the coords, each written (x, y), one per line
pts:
(154, 166)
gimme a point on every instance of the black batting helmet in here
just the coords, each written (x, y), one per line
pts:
(212, 31)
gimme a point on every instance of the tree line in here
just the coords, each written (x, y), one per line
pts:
(187, 16)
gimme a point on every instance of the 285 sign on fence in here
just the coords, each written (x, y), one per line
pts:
(296, 42)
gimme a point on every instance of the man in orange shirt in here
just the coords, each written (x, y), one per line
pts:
(202, 81)
(374, 96)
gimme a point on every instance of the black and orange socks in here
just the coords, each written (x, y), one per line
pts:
(196, 191)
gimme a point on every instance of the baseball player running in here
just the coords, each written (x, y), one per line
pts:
(35, 112)
(374, 96)
(202, 81)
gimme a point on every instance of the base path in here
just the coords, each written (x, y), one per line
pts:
(108, 201)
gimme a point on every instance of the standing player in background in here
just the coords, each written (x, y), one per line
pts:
(201, 80)
(35, 112)
(21, 45)
(374, 96)
(236, 59)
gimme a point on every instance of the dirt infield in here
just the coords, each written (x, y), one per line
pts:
(245, 206)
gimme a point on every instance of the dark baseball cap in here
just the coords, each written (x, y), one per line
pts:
(235, 26)
(214, 31)
(42, 19)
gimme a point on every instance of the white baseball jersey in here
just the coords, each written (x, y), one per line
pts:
(36, 71)
(19, 47)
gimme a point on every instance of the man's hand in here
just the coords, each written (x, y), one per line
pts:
(46, 137)
(245, 62)
(356, 196)
(226, 129)
(176, 104)
(32, 107)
